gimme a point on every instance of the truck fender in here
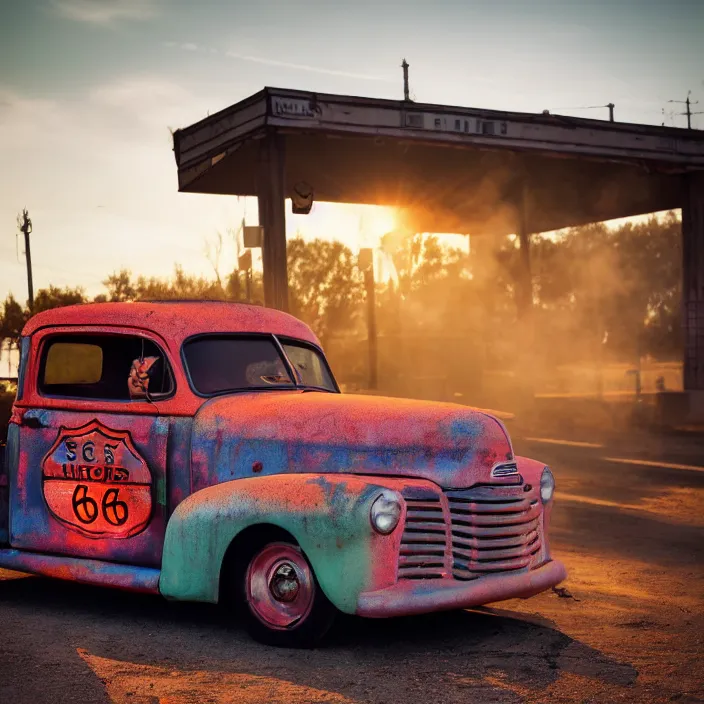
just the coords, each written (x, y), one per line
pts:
(327, 515)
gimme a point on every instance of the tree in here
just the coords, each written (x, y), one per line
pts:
(434, 284)
(12, 321)
(120, 287)
(55, 297)
(618, 286)
(213, 253)
(236, 287)
(325, 286)
(181, 286)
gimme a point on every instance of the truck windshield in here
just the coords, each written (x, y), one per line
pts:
(309, 365)
(218, 364)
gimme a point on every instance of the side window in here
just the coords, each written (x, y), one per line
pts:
(73, 363)
(105, 367)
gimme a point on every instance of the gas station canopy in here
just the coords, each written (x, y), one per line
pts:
(451, 169)
(448, 169)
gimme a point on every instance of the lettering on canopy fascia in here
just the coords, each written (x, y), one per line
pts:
(292, 107)
(456, 124)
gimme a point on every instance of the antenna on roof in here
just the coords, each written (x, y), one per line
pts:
(688, 112)
(611, 107)
(406, 92)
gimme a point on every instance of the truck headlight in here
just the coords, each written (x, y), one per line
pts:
(385, 512)
(547, 485)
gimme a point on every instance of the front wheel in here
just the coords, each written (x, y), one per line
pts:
(283, 603)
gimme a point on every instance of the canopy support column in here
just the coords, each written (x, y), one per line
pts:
(693, 284)
(271, 195)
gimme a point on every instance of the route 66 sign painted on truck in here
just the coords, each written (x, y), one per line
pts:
(95, 482)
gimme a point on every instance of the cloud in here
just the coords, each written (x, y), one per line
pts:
(105, 12)
(147, 100)
(306, 67)
(310, 69)
(98, 175)
(190, 46)
(187, 46)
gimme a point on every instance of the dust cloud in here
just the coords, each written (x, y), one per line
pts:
(604, 324)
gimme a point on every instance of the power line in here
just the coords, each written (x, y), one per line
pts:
(610, 106)
(582, 107)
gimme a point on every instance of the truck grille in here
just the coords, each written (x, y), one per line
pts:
(423, 552)
(468, 533)
(494, 529)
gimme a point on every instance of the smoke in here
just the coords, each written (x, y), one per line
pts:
(605, 303)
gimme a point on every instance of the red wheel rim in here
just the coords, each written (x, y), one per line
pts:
(280, 586)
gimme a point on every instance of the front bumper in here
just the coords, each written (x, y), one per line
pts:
(409, 597)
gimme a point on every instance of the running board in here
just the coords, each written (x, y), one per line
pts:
(107, 574)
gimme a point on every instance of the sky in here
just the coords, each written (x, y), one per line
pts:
(90, 89)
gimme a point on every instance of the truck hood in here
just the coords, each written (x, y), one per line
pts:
(272, 432)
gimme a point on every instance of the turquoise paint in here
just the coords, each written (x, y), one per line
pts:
(328, 518)
(161, 491)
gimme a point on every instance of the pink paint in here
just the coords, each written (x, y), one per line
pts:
(406, 598)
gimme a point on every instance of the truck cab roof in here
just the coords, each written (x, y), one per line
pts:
(176, 321)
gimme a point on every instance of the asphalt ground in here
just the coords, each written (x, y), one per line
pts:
(627, 625)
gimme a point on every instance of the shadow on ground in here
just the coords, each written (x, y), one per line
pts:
(496, 654)
(646, 537)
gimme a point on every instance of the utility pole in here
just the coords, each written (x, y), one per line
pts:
(406, 91)
(25, 225)
(611, 107)
(688, 109)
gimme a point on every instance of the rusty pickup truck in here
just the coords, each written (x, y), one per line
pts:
(204, 452)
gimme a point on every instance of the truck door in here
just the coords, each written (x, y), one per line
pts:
(91, 475)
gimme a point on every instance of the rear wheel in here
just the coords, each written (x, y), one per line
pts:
(281, 601)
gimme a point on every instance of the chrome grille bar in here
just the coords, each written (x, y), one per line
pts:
(494, 529)
(424, 544)
(469, 533)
